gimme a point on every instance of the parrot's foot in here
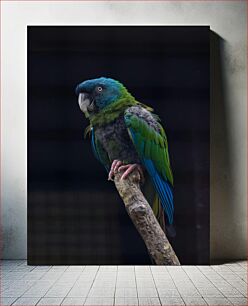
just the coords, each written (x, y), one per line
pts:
(118, 166)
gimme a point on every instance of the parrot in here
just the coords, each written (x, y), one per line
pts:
(127, 135)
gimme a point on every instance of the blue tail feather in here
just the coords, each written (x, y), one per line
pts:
(163, 188)
(163, 196)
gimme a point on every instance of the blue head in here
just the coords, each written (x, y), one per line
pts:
(94, 95)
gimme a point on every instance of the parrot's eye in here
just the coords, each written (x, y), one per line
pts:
(99, 88)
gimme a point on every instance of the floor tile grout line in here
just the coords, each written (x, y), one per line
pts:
(115, 283)
(237, 273)
(74, 266)
(154, 285)
(36, 282)
(204, 298)
(136, 286)
(175, 284)
(231, 284)
(27, 289)
(202, 273)
(14, 301)
(232, 302)
(242, 264)
(12, 268)
(38, 301)
(98, 268)
(211, 282)
(20, 298)
(193, 284)
(72, 284)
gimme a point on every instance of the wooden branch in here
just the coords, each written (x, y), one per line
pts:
(144, 220)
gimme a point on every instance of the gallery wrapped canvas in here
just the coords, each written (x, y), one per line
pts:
(75, 214)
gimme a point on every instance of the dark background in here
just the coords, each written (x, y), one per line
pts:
(75, 215)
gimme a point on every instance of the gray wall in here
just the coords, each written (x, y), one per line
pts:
(228, 105)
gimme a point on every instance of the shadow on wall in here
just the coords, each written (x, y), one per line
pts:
(222, 206)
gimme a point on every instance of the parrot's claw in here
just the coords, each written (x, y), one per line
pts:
(114, 167)
(118, 166)
(129, 168)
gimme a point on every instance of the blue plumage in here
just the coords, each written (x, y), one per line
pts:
(162, 187)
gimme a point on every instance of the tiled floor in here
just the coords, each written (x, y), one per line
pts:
(123, 285)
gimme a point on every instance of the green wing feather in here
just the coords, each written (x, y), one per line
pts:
(150, 144)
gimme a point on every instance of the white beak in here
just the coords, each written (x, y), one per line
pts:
(84, 102)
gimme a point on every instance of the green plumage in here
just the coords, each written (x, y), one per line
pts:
(114, 110)
(151, 145)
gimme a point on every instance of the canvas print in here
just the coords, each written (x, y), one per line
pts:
(118, 145)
